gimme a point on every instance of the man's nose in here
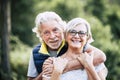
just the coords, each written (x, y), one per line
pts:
(52, 35)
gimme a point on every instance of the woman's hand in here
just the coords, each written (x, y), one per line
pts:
(47, 68)
(86, 59)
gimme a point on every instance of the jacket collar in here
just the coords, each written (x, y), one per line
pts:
(43, 48)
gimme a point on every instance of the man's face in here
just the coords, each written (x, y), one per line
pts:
(52, 34)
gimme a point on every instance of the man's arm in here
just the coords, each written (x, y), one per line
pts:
(39, 77)
(59, 65)
(73, 65)
(32, 72)
(99, 57)
(103, 73)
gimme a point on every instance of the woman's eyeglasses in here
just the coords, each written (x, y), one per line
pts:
(80, 33)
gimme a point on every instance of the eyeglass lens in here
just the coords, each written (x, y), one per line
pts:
(74, 32)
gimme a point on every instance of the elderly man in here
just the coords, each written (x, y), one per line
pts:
(50, 30)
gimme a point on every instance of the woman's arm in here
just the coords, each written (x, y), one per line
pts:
(103, 73)
(87, 61)
(99, 57)
(89, 75)
(91, 71)
(100, 75)
(73, 65)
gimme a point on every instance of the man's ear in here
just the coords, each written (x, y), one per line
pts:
(40, 38)
(65, 36)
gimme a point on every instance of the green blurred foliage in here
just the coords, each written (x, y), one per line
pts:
(22, 18)
(19, 57)
(103, 16)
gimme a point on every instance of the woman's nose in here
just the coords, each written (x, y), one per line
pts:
(77, 35)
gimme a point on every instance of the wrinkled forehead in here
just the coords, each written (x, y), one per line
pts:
(50, 25)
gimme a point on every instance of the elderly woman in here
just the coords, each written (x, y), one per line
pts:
(77, 35)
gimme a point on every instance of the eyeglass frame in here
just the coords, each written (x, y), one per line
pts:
(80, 33)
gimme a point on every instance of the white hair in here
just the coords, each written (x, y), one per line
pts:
(45, 17)
(75, 22)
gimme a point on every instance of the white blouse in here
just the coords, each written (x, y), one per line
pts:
(79, 74)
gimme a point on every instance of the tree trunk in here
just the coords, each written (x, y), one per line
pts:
(5, 33)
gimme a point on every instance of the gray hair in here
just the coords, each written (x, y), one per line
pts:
(75, 22)
(44, 17)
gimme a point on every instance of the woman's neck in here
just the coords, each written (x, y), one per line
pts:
(72, 53)
(75, 50)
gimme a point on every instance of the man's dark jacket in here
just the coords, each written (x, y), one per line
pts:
(39, 58)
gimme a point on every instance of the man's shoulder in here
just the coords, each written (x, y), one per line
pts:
(63, 50)
(36, 48)
(89, 48)
(37, 54)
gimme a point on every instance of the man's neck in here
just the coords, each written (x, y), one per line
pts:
(53, 53)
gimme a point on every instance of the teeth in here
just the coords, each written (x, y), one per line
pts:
(76, 41)
(53, 41)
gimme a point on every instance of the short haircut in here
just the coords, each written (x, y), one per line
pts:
(77, 21)
(45, 17)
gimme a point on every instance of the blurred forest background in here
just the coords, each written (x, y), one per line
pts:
(17, 39)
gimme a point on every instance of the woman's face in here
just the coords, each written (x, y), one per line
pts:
(77, 37)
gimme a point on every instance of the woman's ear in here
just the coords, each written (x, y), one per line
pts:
(88, 37)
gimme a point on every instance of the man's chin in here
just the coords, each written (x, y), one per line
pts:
(53, 47)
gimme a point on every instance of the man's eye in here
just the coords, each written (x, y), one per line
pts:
(46, 32)
(56, 30)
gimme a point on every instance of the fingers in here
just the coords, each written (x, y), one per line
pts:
(48, 71)
(58, 64)
(80, 59)
(85, 58)
(48, 61)
(48, 66)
